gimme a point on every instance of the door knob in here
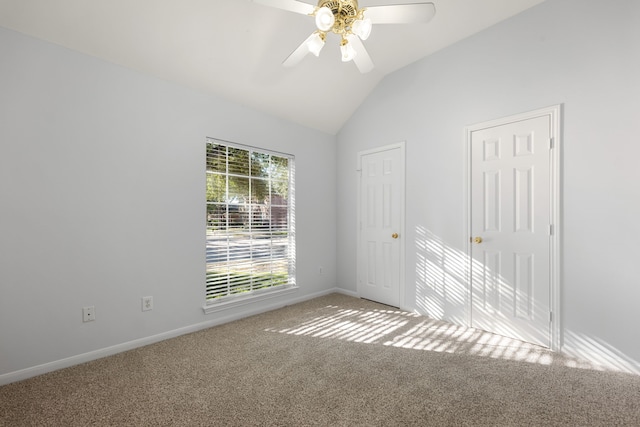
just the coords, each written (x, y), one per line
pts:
(478, 240)
(394, 235)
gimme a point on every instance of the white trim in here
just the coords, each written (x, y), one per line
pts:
(466, 221)
(347, 292)
(26, 373)
(402, 147)
(241, 300)
(249, 147)
(554, 113)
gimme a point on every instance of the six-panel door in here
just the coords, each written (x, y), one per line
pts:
(510, 229)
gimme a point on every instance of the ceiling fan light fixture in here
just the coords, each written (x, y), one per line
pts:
(362, 28)
(351, 23)
(325, 19)
(316, 43)
(348, 52)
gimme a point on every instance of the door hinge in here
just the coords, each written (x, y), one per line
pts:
(550, 143)
(550, 229)
(551, 316)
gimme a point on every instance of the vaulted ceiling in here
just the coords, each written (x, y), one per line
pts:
(234, 48)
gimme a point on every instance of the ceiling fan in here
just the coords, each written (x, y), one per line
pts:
(351, 23)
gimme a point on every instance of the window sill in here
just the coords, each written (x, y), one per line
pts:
(240, 300)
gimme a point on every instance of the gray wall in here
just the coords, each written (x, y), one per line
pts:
(102, 202)
(101, 184)
(582, 54)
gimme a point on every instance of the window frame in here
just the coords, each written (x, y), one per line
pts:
(231, 299)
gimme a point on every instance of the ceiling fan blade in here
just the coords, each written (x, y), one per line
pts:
(416, 13)
(290, 5)
(298, 54)
(362, 59)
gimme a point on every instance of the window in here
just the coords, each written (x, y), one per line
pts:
(250, 221)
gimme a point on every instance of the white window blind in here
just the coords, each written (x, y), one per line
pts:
(250, 221)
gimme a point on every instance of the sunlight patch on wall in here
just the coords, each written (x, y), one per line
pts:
(442, 288)
(441, 277)
(600, 352)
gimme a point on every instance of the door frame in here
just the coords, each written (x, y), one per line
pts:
(554, 113)
(359, 250)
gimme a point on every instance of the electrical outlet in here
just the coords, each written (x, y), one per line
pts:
(147, 303)
(88, 314)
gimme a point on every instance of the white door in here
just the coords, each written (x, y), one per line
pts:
(511, 220)
(380, 222)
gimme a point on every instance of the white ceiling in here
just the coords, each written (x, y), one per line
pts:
(234, 48)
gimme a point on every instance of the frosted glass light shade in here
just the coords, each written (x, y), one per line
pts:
(315, 44)
(348, 52)
(324, 19)
(362, 28)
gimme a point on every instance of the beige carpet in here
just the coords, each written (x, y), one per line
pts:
(332, 361)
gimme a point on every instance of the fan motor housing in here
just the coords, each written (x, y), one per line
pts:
(345, 13)
(341, 8)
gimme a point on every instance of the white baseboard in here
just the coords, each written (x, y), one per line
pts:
(26, 373)
(600, 354)
(346, 292)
